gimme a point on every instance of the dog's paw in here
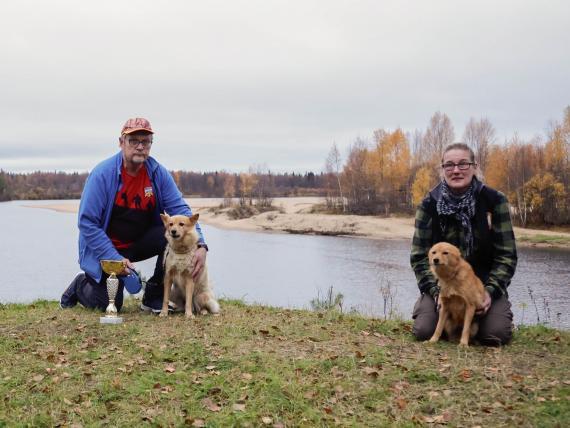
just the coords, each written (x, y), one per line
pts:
(464, 344)
(163, 314)
(189, 316)
(433, 340)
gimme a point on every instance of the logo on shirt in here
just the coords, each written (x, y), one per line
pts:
(148, 192)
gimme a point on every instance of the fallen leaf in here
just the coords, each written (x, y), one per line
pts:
(210, 405)
(68, 402)
(401, 403)
(169, 368)
(327, 410)
(266, 420)
(210, 367)
(465, 374)
(239, 407)
(38, 378)
(246, 376)
(370, 371)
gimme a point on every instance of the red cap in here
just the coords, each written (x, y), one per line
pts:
(136, 124)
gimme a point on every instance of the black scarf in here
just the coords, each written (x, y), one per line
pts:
(462, 207)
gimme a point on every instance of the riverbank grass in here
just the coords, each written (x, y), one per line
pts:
(259, 366)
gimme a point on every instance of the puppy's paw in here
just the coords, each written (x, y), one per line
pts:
(433, 340)
(163, 314)
(464, 344)
(189, 316)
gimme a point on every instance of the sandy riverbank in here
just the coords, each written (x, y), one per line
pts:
(295, 217)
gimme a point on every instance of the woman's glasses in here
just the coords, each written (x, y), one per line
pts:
(450, 166)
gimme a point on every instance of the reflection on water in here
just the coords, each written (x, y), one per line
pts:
(39, 258)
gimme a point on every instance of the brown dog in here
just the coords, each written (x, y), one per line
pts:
(180, 232)
(460, 293)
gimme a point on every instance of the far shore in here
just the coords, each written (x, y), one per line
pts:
(295, 217)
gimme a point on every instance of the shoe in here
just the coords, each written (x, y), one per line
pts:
(69, 297)
(152, 298)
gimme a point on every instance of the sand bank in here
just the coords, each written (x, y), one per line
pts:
(295, 217)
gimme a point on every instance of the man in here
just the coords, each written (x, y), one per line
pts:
(119, 219)
(475, 218)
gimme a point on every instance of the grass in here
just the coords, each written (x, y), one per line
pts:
(259, 366)
(545, 239)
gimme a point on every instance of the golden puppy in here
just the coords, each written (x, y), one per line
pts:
(180, 232)
(460, 293)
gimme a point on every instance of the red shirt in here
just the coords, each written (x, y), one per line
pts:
(133, 209)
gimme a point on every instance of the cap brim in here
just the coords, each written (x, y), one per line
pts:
(131, 130)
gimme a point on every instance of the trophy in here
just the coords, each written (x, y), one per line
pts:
(112, 268)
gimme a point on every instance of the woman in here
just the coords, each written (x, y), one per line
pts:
(464, 212)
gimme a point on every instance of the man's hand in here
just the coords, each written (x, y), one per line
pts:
(128, 265)
(482, 310)
(199, 261)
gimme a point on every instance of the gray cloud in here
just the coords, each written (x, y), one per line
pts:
(230, 84)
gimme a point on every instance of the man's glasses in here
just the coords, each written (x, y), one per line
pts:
(135, 143)
(450, 166)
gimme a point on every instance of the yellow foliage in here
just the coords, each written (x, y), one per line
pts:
(390, 161)
(496, 173)
(422, 184)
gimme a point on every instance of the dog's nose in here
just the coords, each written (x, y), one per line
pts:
(173, 233)
(435, 261)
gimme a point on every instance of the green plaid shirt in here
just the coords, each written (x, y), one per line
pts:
(504, 257)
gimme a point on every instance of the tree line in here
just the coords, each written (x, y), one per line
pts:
(394, 171)
(258, 184)
(388, 174)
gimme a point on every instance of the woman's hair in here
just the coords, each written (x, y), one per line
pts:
(459, 146)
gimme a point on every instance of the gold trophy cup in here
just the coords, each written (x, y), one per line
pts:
(112, 268)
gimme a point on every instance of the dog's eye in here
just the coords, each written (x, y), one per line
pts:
(171, 224)
(445, 253)
(181, 224)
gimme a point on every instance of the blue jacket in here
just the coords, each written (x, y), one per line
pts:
(97, 202)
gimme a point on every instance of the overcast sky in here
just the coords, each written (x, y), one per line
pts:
(234, 83)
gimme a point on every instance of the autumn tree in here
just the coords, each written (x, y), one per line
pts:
(229, 188)
(545, 198)
(422, 184)
(359, 184)
(479, 135)
(438, 135)
(333, 168)
(247, 184)
(497, 173)
(389, 166)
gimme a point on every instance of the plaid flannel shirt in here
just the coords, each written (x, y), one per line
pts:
(504, 248)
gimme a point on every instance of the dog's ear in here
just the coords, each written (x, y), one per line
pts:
(194, 218)
(165, 218)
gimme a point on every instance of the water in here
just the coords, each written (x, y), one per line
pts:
(39, 258)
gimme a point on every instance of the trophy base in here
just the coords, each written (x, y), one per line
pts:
(110, 320)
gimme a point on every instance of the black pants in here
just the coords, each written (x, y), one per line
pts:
(495, 327)
(93, 294)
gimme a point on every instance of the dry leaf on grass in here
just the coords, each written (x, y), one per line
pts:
(210, 405)
(267, 420)
(169, 368)
(239, 407)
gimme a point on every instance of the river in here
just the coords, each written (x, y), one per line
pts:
(38, 257)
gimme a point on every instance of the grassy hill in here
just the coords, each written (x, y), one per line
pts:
(259, 366)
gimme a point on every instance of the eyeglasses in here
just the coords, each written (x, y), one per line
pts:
(135, 143)
(450, 166)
